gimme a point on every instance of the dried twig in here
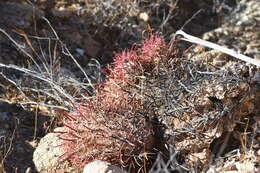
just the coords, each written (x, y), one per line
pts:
(230, 52)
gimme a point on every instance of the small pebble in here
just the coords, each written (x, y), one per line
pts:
(99, 166)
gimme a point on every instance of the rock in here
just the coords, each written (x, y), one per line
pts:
(144, 16)
(91, 46)
(62, 13)
(46, 157)
(15, 17)
(240, 30)
(99, 166)
(81, 52)
(18, 15)
(7, 121)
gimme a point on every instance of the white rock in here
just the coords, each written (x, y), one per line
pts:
(99, 166)
(46, 156)
(144, 16)
(80, 51)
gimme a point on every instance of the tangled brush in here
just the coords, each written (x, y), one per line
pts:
(116, 125)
